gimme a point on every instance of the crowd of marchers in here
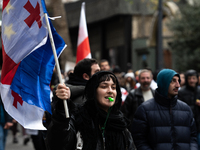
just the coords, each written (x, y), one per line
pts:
(114, 110)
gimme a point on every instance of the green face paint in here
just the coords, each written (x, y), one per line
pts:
(110, 99)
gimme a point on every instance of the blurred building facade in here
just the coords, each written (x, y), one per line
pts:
(123, 31)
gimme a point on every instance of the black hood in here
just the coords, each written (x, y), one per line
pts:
(95, 118)
(93, 83)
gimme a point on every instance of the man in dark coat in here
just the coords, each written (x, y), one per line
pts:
(190, 94)
(164, 122)
(83, 71)
(137, 96)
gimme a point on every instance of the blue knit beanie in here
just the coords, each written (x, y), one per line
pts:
(164, 78)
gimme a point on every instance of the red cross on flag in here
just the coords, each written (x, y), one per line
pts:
(83, 46)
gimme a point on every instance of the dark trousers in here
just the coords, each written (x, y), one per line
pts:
(38, 141)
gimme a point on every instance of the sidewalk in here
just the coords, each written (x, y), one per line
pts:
(17, 146)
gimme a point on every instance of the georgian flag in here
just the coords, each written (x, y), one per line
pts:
(83, 46)
(28, 61)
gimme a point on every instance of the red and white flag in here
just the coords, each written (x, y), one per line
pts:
(83, 46)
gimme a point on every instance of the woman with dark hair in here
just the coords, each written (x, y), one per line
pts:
(96, 125)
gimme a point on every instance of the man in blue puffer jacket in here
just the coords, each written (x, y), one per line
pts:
(164, 122)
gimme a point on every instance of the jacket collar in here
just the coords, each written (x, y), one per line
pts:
(138, 91)
(164, 101)
(75, 80)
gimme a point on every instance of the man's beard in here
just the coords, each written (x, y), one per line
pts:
(144, 87)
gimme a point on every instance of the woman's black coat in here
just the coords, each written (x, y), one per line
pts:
(88, 120)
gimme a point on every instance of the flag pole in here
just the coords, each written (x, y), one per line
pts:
(56, 61)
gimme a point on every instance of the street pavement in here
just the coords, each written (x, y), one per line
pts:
(17, 146)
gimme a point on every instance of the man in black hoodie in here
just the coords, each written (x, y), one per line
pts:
(83, 71)
(190, 94)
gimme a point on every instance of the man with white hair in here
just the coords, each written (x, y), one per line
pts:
(153, 84)
(137, 96)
